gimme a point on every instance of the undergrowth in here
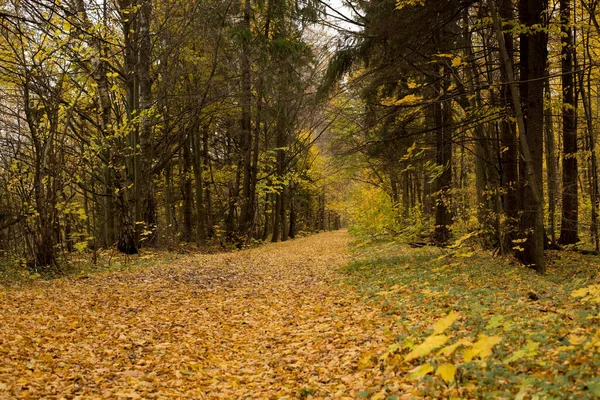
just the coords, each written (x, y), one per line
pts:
(507, 332)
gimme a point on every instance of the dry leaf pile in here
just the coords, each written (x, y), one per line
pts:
(268, 322)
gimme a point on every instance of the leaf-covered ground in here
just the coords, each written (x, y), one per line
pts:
(267, 322)
(296, 320)
(475, 326)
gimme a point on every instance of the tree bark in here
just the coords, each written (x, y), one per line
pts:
(443, 124)
(532, 252)
(570, 200)
(247, 207)
(186, 189)
(146, 174)
(551, 164)
(199, 179)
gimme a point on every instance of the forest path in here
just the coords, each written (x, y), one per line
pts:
(267, 322)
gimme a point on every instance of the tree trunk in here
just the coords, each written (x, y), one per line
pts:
(126, 180)
(276, 218)
(532, 251)
(570, 200)
(199, 179)
(169, 211)
(292, 228)
(146, 174)
(127, 242)
(532, 217)
(186, 189)
(508, 139)
(551, 164)
(247, 206)
(591, 135)
(443, 124)
(283, 217)
(206, 169)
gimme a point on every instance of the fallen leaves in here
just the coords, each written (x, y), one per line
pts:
(444, 323)
(488, 340)
(266, 322)
(430, 344)
(276, 321)
(482, 348)
(446, 372)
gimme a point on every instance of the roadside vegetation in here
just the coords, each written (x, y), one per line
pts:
(477, 326)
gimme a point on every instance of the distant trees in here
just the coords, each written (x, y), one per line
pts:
(143, 123)
(466, 104)
(151, 122)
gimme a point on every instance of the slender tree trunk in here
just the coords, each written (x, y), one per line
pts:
(486, 177)
(443, 123)
(292, 228)
(508, 138)
(591, 136)
(551, 164)
(127, 242)
(186, 189)
(267, 220)
(283, 211)
(276, 218)
(207, 170)
(570, 200)
(146, 187)
(99, 71)
(230, 220)
(126, 180)
(532, 221)
(247, 206)
(169, 211)
(199, 179)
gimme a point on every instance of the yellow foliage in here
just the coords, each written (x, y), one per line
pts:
(420, 371)
(446, 372)
(444, 323)
(529, 350)
(448, 350)
(404, 3)
(431, 343)
(588, 294)
(482, 348)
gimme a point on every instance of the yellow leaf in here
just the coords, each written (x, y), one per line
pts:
(495, 322)
(448, 350)
(456, 61)
(431, 343)
(420, 371)
(575, 339)
(380, 396)
(392, 348)
(580, 292)
(365, 362)
(482, 348)
(468, 354)
(530, 349)
(467, 254)
(446, 372)
(444, 323)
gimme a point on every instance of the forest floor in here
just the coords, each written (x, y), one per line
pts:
(305, 318)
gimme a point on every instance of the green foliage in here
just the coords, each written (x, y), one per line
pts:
(370, 213)
(501, 332)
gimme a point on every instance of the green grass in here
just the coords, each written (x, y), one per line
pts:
(494, 296)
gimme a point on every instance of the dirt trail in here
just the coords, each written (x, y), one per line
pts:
(268, 322)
